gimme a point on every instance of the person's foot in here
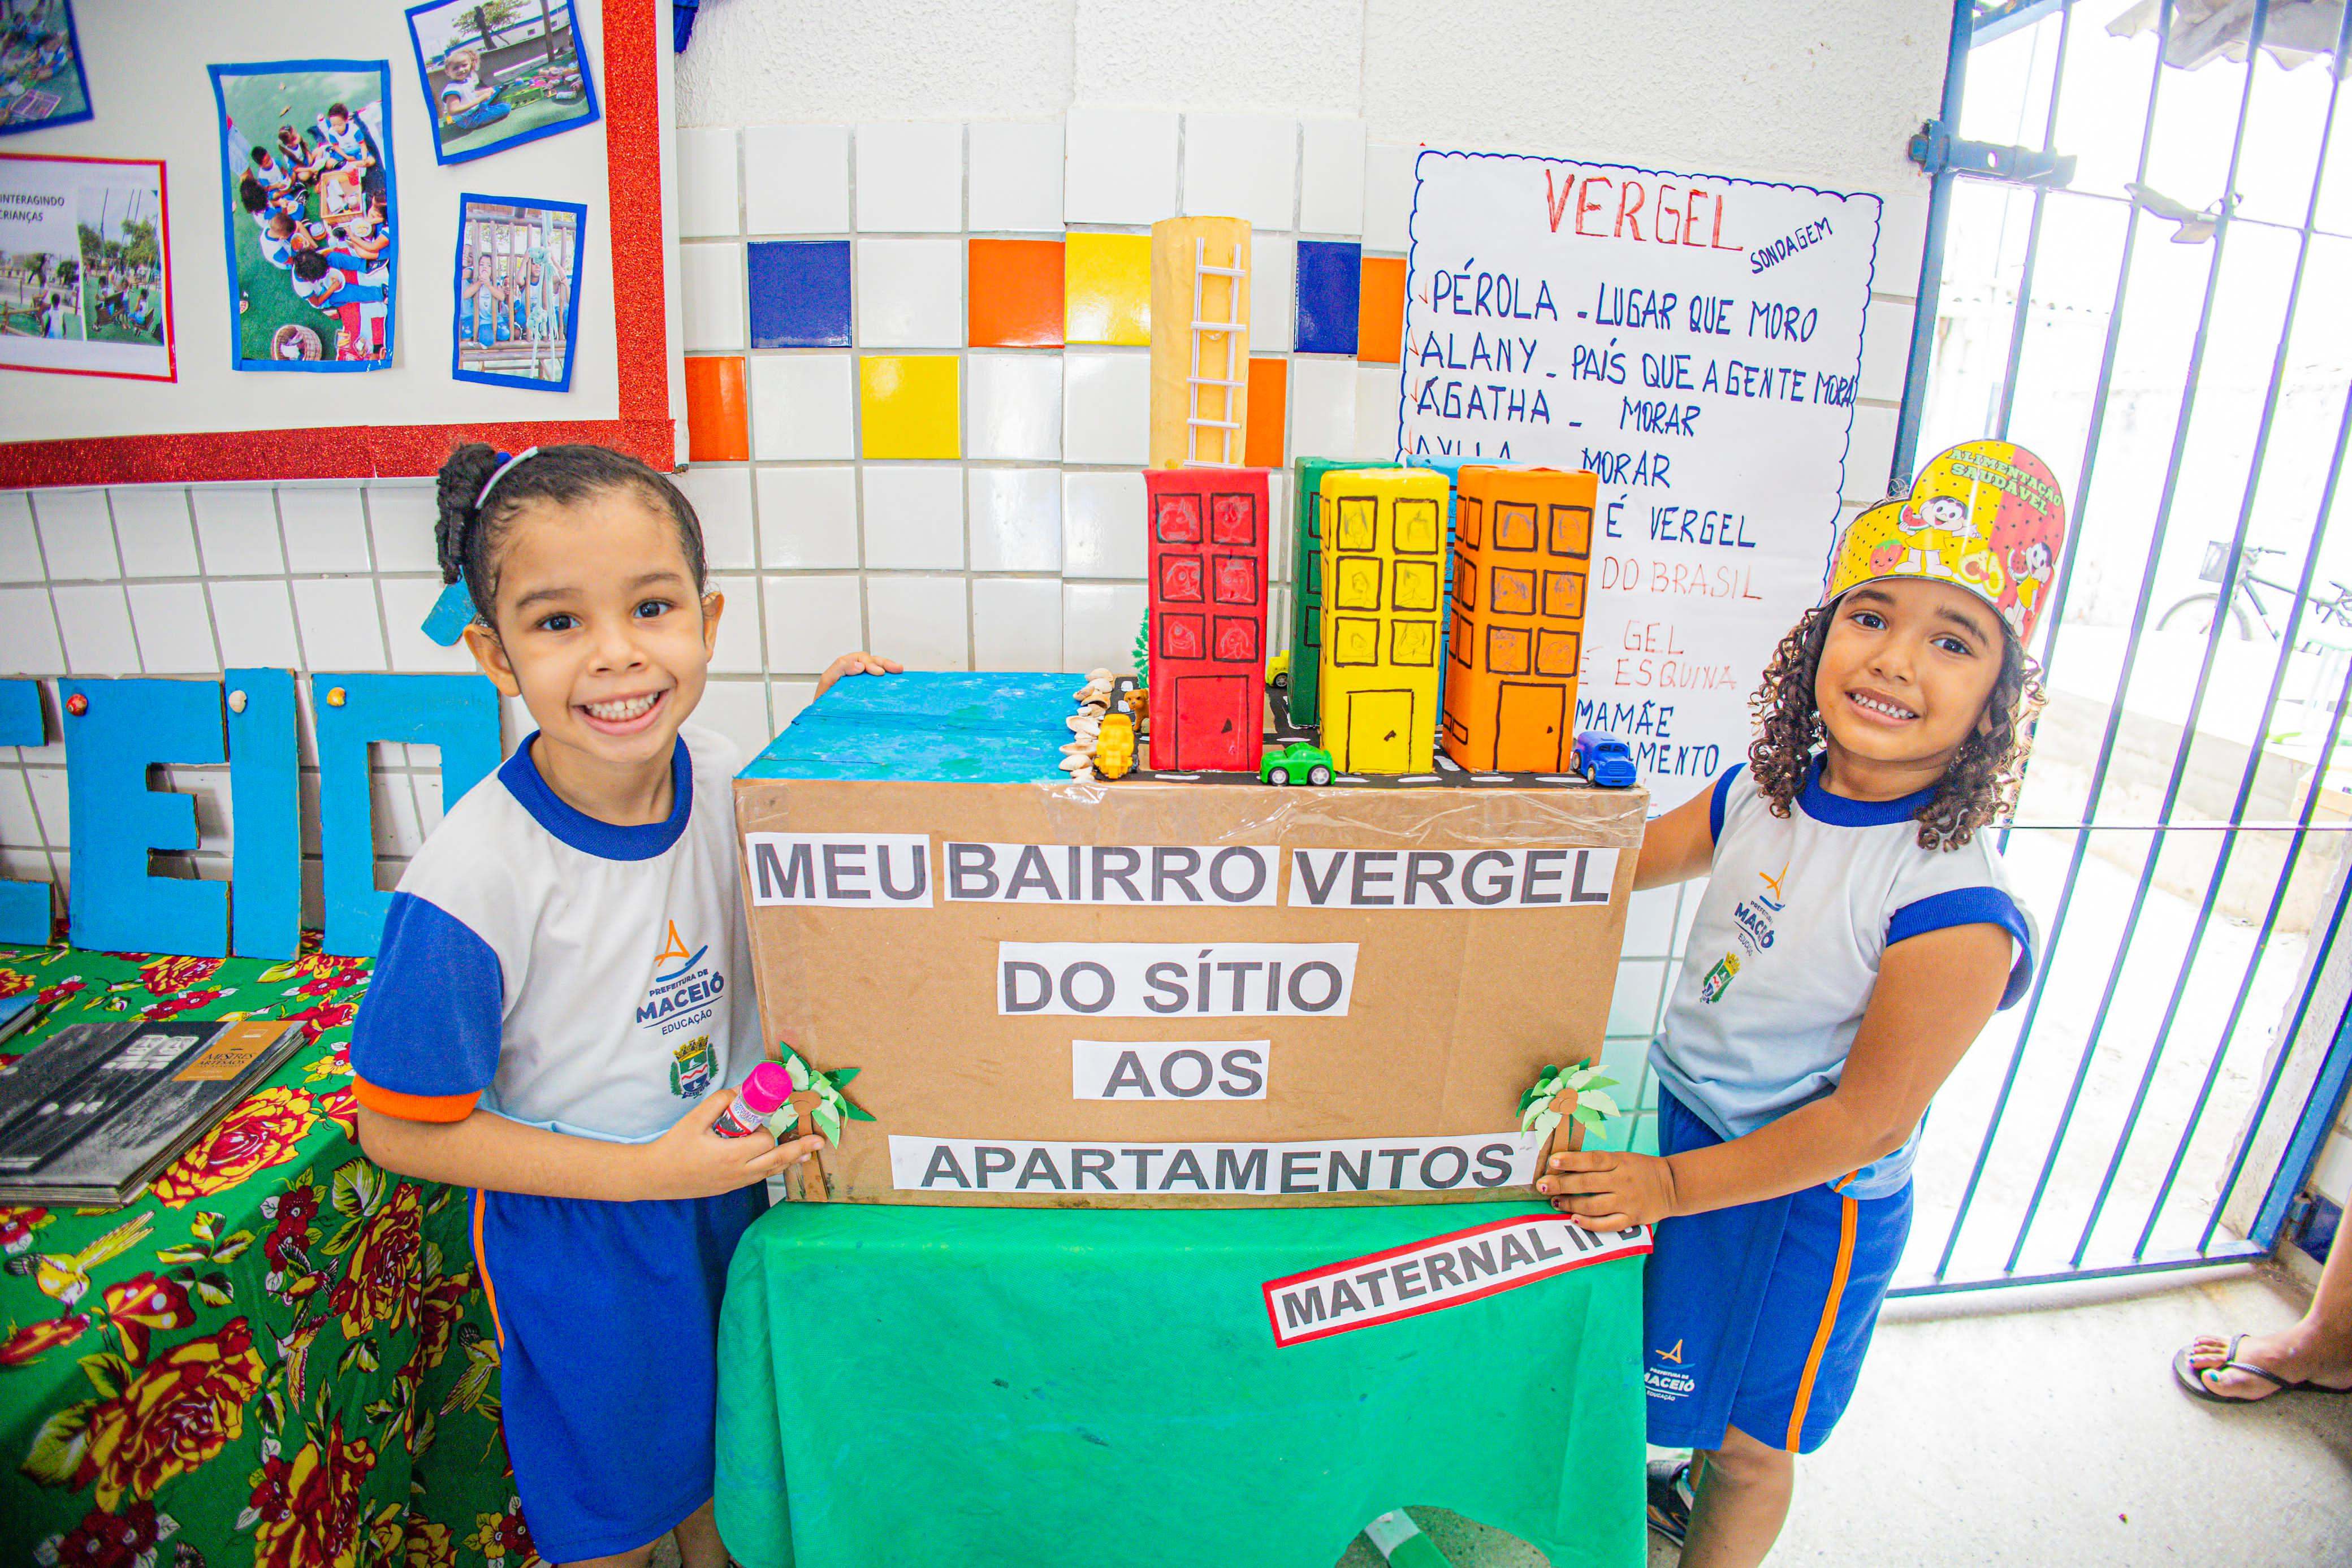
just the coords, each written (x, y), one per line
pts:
(1670, 1498)
(2290, 1357)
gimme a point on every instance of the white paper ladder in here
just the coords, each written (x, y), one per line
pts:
(1226, 331)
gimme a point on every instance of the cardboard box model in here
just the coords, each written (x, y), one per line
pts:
(1383, 538)
(1307, 593)
(1522, 552)
(1153, 993)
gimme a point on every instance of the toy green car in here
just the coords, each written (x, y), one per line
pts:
(1298, 760)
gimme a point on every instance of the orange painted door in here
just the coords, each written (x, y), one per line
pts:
(1530, 728)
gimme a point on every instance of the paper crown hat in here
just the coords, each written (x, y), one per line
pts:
(1986, 516)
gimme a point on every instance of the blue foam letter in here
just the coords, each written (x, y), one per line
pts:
(265, 903)
(129, 726)
(457, 713)
(23, 906)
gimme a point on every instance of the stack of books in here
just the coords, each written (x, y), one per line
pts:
(91, 1113)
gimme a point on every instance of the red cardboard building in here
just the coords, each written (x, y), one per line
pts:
(1208, 617)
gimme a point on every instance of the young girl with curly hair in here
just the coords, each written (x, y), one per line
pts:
(1856, 933)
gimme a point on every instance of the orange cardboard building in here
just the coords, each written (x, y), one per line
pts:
(1522, 561)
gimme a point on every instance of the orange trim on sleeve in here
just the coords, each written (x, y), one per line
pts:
(413, 1107)
(1848, 1218)
(482, 1267)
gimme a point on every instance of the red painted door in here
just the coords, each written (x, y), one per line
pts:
(1214, 726)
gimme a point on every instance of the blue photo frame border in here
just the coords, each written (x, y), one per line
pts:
(571, 312)
(81, 70)
(237, 360)
(433, 111)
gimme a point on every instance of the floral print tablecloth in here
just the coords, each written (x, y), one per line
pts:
(280, 1354)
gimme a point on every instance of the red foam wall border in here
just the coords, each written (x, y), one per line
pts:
(632, 106)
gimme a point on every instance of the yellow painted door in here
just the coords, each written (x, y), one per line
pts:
(1380, 732)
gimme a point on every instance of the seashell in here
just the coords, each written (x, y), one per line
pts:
(1085, 723)
(1086, 747)
(1099, 675)
(1083, 775)
(1073, 763)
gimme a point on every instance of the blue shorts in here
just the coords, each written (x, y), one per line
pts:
(1757, 1316)
(608, 1316)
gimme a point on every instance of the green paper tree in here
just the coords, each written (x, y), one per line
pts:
(1592, 1110)
(1143, 650)
(832, 1105)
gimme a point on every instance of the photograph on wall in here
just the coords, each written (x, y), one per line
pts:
(311, 213)
(85, 275)
(499, 73)
(41, 80)
(518, 291)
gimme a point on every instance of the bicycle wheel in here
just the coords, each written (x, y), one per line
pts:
(2194, 614)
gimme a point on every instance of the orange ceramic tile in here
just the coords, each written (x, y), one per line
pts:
(1269, 399)
(1107, 288)
(1380, 311)
(1015, 294)
(716, 430)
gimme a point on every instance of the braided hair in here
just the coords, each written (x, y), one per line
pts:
(1979, 785)
(470, 529)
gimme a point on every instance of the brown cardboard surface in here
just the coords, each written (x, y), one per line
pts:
(1453, 1011)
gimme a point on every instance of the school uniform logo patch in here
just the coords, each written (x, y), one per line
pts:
(684, 991)
(1752, 916)
(1719, 980)
(1669, 1382)
(691, 1067)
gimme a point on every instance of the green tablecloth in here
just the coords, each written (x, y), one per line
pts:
(978, 1386)
(277, 1355)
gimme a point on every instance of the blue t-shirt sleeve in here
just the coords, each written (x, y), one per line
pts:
(427, 1041)
(1970, 907)
(1718, 799)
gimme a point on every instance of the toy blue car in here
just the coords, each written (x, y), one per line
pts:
(1603, 759)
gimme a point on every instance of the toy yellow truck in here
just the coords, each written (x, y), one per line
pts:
(1115, 746)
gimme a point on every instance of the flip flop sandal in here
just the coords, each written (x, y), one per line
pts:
(2188, 1376)
(1670, 1498)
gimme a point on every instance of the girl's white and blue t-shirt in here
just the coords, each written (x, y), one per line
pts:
(542, 965)
(562, 971)
(1757, 1316)
(1797, 913)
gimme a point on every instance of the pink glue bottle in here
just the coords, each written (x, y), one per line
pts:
(767, 1090)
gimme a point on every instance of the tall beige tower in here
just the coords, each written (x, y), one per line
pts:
(1200, 342)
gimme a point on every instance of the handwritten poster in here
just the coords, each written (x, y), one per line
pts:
(1695, 341)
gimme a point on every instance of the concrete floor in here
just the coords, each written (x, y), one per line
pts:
(2044, 1427)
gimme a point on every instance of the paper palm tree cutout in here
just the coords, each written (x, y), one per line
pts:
(817, 1096)
(1571, 1094)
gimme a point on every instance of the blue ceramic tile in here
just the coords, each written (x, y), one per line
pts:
(1330, 286)
(800, 293)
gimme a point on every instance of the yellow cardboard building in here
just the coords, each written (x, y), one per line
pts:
(1522, 560)
(1383, 534)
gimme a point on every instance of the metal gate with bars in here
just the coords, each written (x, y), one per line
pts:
(2178, 832)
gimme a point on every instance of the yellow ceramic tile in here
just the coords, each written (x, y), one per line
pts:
(909, 405)
(1107, 288)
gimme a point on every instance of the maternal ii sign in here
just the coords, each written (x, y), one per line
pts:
(1405, 1281)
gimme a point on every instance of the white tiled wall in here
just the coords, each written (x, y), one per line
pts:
(1026, 552)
